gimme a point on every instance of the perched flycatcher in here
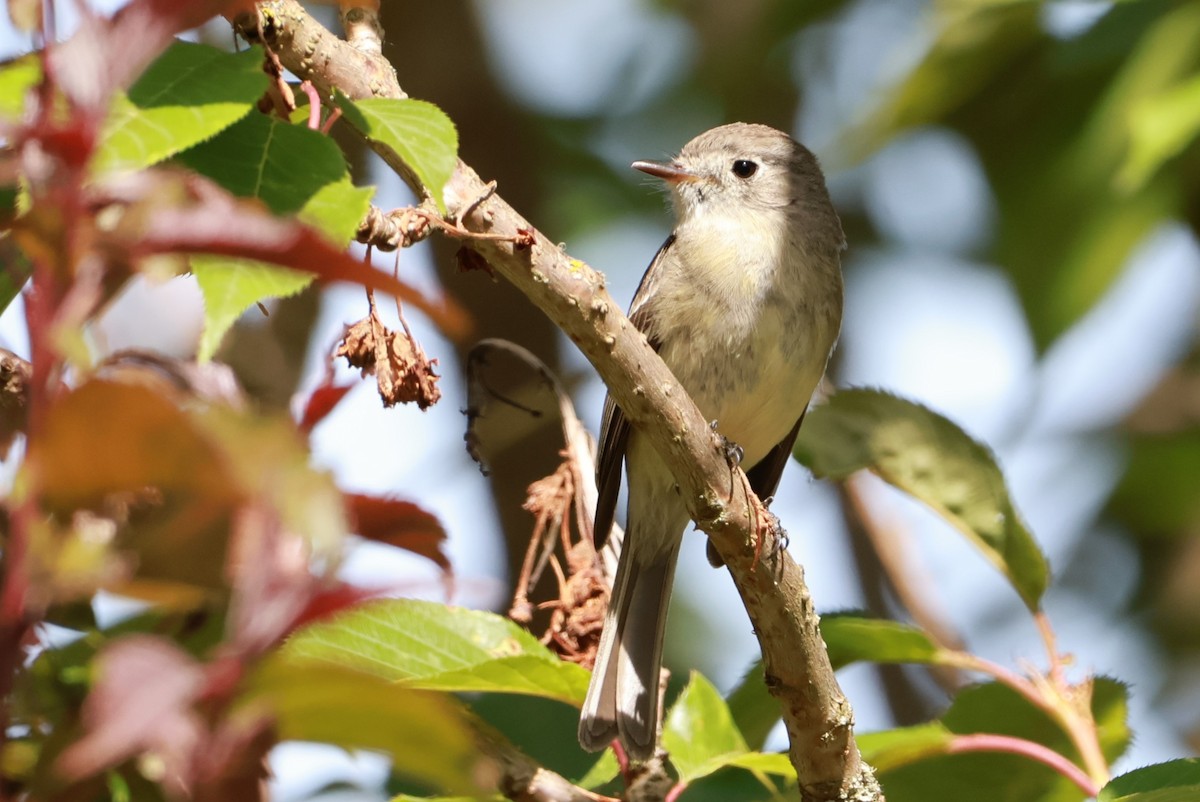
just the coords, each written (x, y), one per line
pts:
(744, 303)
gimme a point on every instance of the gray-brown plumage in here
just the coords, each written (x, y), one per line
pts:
(744, 303)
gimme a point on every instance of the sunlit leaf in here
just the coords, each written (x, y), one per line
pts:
(851, 638)
(433, 646)
(418, 133)
(932, 459)
(699, 732)
(776, 763)
(1174, 781)
(424, 734)
(231, 286)
(189, 94)
(16, 79)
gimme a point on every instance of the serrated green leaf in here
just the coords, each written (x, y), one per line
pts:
(231, 286)
(337, 209)
(1174, 781)
(281, 164)
(418, 133)
(699, 732)
(427, 645)
(425, 734)
(189, 94)
(292, 170)
(851, 638)
(16, 79)
(935, 461)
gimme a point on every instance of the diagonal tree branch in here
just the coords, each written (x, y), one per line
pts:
(818, 716)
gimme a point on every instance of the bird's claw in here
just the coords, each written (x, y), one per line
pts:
(733, 452)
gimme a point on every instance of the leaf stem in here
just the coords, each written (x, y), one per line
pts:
(989, 742)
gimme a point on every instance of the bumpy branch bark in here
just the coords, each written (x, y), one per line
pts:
(818, 717)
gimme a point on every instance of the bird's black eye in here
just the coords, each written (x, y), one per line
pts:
(744, 168)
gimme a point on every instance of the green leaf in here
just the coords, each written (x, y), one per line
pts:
(292, 170)
(777, 763)
(914, 771)
(419, 134)
(891, 749)
(16, 79)
(852, 638)
(337, 209)
(699, 732)
(1174, 781)
(933, 460)
(425, 734)
(433, 646)
(189, 94)
(231, 286)
(261, 157)
(601, 772)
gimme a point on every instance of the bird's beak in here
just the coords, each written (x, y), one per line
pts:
(672, 173)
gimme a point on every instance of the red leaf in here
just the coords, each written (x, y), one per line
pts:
(399, 523)
(332, 601)
(321, 403)
(141, 701)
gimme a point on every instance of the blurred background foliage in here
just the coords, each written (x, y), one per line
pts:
(1020, 187)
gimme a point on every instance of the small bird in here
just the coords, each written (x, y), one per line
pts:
(744, 303)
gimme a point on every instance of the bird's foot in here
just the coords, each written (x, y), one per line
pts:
(733, 452)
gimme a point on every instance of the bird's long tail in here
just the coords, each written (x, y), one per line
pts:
(623, 697)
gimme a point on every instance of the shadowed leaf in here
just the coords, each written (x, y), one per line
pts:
(1174, 781)
(933, 460)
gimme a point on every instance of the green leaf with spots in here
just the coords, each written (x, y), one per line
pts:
(933, 460)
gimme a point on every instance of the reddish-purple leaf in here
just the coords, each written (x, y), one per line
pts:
(331, 601)
(398, 523)
(141, 700)
(321, 403)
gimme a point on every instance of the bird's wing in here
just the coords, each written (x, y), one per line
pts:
(614, 428)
